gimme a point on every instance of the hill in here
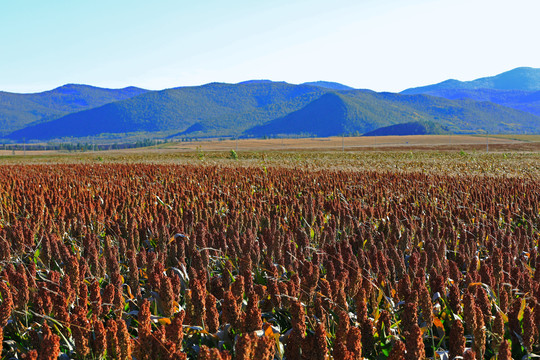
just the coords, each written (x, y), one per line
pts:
(329, 85)
(260, 81)
(410, 128)
(218, 109)
(20, 110)
(325, 116)
(363, 111)
(523, 78)
(528, 101)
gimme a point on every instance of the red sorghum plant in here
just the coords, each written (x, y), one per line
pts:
(124, 341)
(398, 351)
(6, 307)
(504, 351)
(457, 340)
(113, 345)
(50, 344)
(415, 344)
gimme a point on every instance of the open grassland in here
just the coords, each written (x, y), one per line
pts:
(213, 260)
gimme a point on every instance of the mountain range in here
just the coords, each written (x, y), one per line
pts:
(20, 110)
(506, 103)
(518, 88)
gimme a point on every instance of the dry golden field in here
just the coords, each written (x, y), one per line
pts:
(361, 143)
(452, 155)
(349, 143)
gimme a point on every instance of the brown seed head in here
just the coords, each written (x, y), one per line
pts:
(457, 339)
(50, 346)
(415, 344)
(124, 340)
(398, 351)
(7, 304)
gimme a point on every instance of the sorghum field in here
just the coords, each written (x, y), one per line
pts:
(148, 261)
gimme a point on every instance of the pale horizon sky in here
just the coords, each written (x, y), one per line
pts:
(383, 45)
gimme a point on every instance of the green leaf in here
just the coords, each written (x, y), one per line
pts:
(162, 203)
(36, 255)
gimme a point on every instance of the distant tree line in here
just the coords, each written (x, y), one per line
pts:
(81, 146)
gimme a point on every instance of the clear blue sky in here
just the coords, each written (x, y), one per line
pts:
(385, 45)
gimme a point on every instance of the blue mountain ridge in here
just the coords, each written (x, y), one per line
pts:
(506, 103)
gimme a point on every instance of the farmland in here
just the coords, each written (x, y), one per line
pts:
(353, 143)
(175, 254)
